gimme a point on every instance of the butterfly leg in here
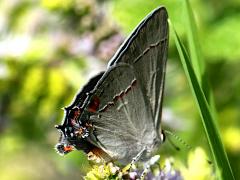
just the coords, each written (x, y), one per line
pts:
(137, 157)
(131, 166)
(151, 162)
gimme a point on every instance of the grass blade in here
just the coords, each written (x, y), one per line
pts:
(219, 155)
(193, 42)
(196, 56)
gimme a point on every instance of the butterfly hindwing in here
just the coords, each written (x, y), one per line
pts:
(81, 97)
(72, 112)
(122, 122)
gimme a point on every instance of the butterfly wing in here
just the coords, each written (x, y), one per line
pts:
(146, 50)
(66, 128)
(121, 117)
(120, 111)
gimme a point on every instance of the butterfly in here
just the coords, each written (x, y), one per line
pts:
(117, 114)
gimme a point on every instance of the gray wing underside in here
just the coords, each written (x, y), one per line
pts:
(123, 124)
(146, 50)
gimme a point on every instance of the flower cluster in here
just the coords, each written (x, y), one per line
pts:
(153, 172)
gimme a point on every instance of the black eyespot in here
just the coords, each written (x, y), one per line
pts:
(60, 149)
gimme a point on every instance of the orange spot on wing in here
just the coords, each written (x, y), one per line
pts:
(94, 104)
(68, 148)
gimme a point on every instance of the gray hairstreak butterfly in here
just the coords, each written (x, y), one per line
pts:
(117, 114)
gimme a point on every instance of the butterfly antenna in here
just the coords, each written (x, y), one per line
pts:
(177, 138)
(174, 145)
(183, 142)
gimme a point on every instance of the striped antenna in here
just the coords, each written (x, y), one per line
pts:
(178, 139)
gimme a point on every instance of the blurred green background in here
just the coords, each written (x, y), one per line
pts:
(49, 49)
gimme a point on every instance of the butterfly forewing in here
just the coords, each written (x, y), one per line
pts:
(146, 50)
(123, 122)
